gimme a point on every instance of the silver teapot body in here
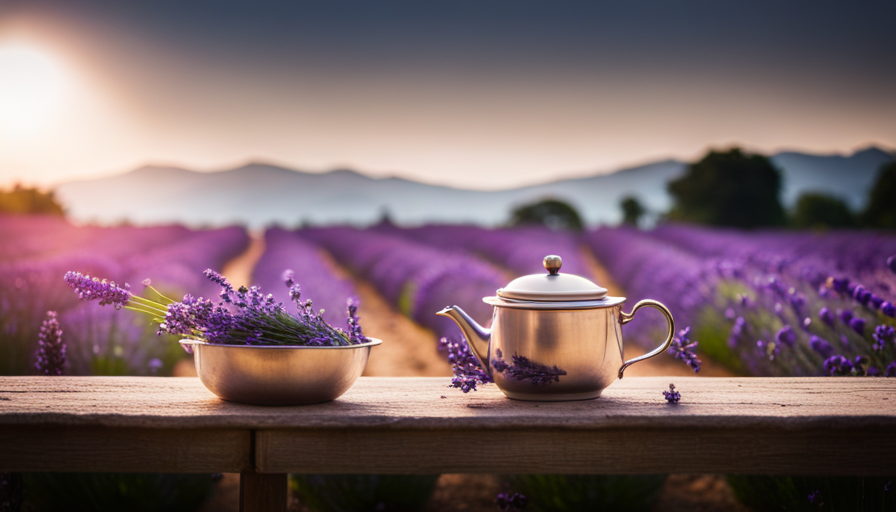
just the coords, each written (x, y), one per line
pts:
(554, 351)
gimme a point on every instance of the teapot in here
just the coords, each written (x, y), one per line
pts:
(554, 337)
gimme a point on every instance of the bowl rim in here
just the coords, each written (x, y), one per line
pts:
(372, 343)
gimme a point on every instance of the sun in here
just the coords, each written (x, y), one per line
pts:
(31, 87)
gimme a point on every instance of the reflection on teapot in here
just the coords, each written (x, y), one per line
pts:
(554, 336)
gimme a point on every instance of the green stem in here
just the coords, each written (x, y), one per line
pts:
(161, 308)
(157, 292)
(148, 312)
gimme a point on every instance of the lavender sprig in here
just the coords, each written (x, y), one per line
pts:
(50, 355)
(467, 372)
(672, 396)
(244, 316)
(682, 348)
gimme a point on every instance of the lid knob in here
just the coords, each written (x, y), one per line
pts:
(553, 264)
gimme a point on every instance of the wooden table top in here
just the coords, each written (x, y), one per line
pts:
(408, 403)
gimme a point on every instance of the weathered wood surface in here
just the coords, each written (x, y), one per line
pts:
(415, 403)
(110, 449)
(403, 425)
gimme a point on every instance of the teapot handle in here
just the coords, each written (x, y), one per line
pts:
(628, 317)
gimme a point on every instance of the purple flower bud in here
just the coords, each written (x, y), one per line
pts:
(840, 284)
(861, 295)
(888, 309)
(846, 316)
(883, 335)
(107, 292)
(891, 369)
(858, 324)
(837, 365)
(826, 316)
(821, 346)
(50, 355)
(876, 301)
(786, 336)
(891, 263)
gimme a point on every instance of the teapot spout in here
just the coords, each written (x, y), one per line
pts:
(477, 336)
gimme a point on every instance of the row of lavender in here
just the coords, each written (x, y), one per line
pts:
(768, 303)
(39, 252)
(418, 279)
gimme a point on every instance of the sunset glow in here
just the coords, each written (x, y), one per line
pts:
(32, 85)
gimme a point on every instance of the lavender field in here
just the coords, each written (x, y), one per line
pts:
(758, 303)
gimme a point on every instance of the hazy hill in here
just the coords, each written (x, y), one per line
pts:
(259, 194)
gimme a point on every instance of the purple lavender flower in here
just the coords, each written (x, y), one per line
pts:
(672, 396)
(815, 496)
(107, 292)
(507, 502)
(354, 323)
(682, 348)
(821, 346)
(846, 316)
(50, 355)
(839, 284)
(289, 277)
(891, 263)
(876, 301)
(467, 372)
(826, 316)
(891, 369)
(838, 365)
(861, 295)
(888, 309)
(786, 336)
(883, 335)
(858, 324)
(523, 369)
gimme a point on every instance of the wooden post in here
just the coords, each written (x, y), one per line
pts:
(263, 492)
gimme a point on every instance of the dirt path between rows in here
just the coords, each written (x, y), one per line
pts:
(239, 270)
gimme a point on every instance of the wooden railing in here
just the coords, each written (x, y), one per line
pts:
(804, 426)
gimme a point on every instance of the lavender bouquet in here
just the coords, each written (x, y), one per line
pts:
(243, 316)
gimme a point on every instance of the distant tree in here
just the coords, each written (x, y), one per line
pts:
(881, 209)
(729, 188)
(553, 213)
(632, 210)
(817, 210)
(26, 200)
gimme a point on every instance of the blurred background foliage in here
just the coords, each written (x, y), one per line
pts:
(29, 200)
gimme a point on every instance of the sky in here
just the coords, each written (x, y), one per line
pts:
(475, 94)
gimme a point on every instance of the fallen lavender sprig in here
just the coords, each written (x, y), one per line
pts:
(243, 316)
(50, 355)
(672, 396)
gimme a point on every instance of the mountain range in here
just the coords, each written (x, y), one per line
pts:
(259, 194)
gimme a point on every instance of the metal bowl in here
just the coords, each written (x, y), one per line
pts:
(279, 375)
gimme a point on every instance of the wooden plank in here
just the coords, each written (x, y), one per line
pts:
(38, 448)
(415, 403)
(263, 492)
(607, 451)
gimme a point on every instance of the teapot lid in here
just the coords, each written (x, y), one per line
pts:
(552, 286)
